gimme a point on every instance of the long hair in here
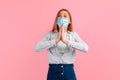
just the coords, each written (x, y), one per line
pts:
(55, 26)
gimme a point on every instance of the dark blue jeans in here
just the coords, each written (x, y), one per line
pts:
(61, 72)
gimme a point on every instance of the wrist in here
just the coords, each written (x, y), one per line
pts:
(65, 41)
(57, 40)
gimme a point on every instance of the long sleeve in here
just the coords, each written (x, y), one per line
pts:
(45, 43)
(78, 44)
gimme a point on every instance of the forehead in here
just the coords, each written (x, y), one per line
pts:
(63, 12)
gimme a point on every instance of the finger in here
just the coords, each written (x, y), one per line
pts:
(63, 28)
(62, 25)
(60, 28)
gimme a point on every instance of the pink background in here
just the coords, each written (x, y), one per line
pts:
(24, 22)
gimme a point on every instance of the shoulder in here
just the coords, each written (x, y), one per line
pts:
(48, 32)
(74, 33)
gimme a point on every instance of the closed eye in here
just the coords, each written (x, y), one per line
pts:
(65, 16)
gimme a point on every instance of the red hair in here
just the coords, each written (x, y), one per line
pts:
(55, 26)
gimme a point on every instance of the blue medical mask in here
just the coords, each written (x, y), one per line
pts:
(61, 21)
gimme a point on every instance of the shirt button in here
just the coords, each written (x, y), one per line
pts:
(61, 73)
(62, 66)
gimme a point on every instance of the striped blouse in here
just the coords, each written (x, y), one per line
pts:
(61, 53)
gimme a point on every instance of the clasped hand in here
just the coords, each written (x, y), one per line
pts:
(61, 35)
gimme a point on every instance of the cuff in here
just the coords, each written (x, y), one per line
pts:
(53, 42)
(69, 44)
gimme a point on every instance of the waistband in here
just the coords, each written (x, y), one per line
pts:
(61, 64)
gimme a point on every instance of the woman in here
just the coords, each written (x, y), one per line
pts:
(61, 43)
